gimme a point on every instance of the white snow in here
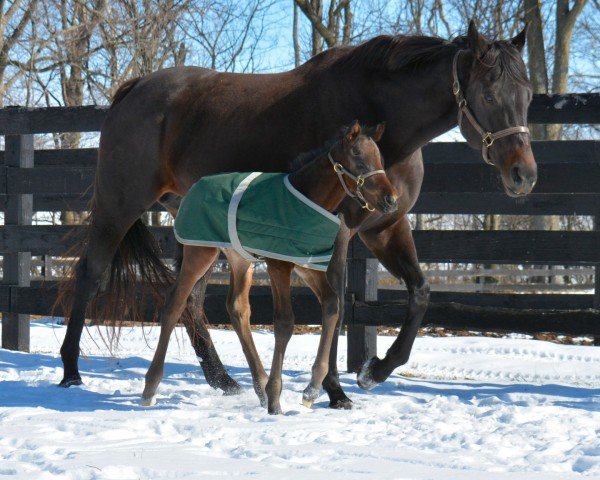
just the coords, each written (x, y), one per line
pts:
(467, 408)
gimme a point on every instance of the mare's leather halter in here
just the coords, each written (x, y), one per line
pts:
(340, 170)
(487, 138)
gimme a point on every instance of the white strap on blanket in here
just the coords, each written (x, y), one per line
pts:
(236, 198)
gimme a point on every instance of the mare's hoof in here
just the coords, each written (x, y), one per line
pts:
(365, 378)
(309, 396)
(341, 404)
(148, 401)
(230, 387)
(70, 381)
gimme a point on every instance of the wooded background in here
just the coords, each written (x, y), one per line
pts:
(77, 52)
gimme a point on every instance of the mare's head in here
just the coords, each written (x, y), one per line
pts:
(357, 161)
(493, 93)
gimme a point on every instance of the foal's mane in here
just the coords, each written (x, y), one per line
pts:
(398, 52)
(307, 157)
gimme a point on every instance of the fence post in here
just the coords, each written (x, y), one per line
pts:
(362, 339)
(17, 266)
(597, 278)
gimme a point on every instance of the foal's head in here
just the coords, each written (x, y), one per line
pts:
(357, 161)
(495, 90)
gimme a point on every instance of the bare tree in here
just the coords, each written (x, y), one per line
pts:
(14, 20)
(335, 28)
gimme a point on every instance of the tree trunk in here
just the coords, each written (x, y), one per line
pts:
(536, 58)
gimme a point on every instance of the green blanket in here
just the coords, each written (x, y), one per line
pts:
(258, 215)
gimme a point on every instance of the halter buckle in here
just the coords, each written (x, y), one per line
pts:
(338, 168)
(488, 139)
(368, 207)
(360, 181)
(455, 88)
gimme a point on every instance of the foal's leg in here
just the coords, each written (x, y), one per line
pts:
(196, 261)
(283, 321)
(238, 307)
(214, 371)
(395, 249)
(318, 283)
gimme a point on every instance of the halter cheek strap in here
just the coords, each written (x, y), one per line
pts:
(340, 170)
(487, 138)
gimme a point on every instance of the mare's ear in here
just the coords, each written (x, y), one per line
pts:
(477, 42)
(352, 132)
(379, 129)
(519, 40)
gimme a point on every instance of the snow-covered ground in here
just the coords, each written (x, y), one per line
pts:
(463, 408)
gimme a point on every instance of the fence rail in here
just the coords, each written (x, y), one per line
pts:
(456, 181)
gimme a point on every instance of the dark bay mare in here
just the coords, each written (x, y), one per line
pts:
(167, 129)
(349, 165)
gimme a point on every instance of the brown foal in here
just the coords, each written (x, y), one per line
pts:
(352, 166)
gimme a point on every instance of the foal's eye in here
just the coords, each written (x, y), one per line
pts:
(355, 151)
(488, 97)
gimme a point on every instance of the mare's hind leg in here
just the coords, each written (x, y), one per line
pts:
(238, 307)
(196, 262)
(283, 321)
(317, 281)
(105, 234)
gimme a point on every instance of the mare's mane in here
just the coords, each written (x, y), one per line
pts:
(399, 52)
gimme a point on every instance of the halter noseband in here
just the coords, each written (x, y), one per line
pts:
(487, 138)
(340, 170)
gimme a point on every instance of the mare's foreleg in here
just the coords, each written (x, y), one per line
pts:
(283, 322)
(196, 262)
(395, 249)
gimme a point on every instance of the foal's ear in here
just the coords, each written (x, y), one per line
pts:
(379, 129)
(519, 40)
(352, 132)
(477, 42)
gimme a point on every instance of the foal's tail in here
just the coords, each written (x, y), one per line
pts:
(133, 289)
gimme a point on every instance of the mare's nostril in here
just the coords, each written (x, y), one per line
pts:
(515, 175)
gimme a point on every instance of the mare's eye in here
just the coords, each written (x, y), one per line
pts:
(489, 98)
(355, 151)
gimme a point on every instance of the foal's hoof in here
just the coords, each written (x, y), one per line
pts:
(148, 401)
(341, 404)
(275, 410)
(70, 381)
(309, 396)
(365, 378)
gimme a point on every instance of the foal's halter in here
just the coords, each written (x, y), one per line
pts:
(487, 138)
(340, 170)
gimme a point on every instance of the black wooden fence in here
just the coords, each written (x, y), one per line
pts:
(456, 181)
